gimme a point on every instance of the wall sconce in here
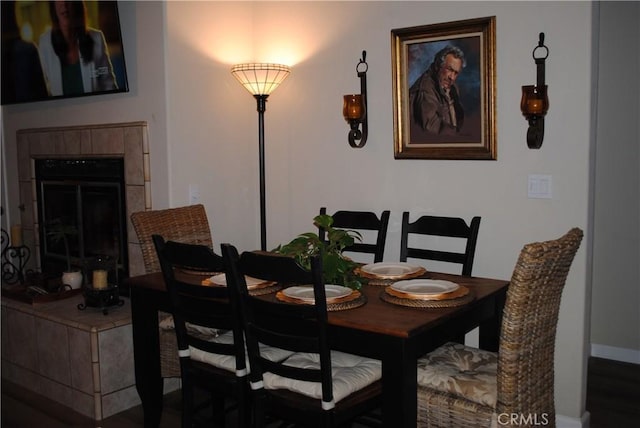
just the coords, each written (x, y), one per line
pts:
(535, 103)
(354, 107)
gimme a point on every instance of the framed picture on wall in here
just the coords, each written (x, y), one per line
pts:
(54, 50)
(444, 94)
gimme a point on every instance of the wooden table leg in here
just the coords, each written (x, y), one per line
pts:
(146, 345)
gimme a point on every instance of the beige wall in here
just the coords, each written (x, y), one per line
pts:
(203, 130)
(615, 318)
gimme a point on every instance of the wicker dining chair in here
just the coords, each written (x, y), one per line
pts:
(459, 386)
(189, 225)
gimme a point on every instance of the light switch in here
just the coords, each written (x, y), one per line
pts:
(539, 186)
(194, 194)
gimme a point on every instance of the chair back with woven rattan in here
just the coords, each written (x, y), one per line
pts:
(188, 225)
(530, 317)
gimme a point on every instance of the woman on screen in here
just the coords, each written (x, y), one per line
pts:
(75, 58)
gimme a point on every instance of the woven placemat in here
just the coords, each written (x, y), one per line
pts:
(265, 290)
(354, 300)
(417, 303)
(379, 280)
(259, 290)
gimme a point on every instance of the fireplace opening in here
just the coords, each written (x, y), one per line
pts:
(86, 198)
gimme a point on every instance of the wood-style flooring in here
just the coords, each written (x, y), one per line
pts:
(613, 399)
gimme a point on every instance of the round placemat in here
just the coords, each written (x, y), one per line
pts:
(259, 291)
(385, 280)
(417, 303)
(354, 300)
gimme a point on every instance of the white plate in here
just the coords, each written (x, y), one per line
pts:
(305, 292)
(425, 286)
(221, 279)
(390, 270)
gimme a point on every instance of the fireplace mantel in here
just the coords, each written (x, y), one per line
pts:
(128, 140)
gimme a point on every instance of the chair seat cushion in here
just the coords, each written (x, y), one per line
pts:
(460, 370)
(228, 362)
(350, 374)
(167, 323)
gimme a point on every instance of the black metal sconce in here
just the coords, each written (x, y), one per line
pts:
(354, 107)
(535, 102)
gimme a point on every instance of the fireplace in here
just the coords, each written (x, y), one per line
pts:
(124, 144)
(85, 195)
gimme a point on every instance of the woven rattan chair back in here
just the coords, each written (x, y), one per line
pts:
(188, 225)
(530, 317)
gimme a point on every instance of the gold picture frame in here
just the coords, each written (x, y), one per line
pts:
(444, 93)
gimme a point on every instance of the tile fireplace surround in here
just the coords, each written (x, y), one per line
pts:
(127, 140)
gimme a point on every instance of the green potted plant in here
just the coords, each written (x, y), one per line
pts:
(58, 231)
(338, 269)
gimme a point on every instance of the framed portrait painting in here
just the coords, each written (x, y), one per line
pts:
(444, 90)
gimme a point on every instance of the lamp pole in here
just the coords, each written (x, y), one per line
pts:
(260, 79)
(262, 106)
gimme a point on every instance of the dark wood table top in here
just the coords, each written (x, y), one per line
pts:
(376, 316)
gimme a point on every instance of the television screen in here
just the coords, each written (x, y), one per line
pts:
(61, 49)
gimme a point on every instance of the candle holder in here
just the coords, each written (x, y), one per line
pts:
(14, 260)
(535, 102)
(354, 108)
(102, 292)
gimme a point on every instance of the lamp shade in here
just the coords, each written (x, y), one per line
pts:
(260, 78)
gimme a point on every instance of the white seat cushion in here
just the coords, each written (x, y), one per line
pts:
(228, 362)
(350, 373)
(460, 370)
(167, 323)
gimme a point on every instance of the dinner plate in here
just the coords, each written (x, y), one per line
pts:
(305, 292)
(221, 279)
(390, 270)
(425, 287)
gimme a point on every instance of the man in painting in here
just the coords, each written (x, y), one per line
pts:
(434, 100)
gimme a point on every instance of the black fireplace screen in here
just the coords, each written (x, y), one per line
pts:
(83, 199)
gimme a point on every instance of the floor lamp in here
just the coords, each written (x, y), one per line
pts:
(260, 80)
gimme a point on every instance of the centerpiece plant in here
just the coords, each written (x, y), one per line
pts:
(337, 268)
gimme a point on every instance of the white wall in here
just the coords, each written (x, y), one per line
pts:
(204, 129)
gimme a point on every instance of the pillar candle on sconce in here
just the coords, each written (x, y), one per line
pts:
(535, 101)
(354, 108)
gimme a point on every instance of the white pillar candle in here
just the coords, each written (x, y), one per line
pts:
(16, 235)
(100, 278)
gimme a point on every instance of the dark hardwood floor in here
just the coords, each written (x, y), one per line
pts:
(613, 394)
(613, 399)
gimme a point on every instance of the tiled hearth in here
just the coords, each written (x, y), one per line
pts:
(126, 140)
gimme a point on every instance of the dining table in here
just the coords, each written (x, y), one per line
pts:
(396, 334)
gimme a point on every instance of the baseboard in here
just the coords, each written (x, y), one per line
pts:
(617, 354)
(567, 422)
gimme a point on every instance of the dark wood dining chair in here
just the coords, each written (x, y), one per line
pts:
(361, 221)
(451, 227)
(459, 386)
(189, 225)
(302, 388)
(215, 364)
